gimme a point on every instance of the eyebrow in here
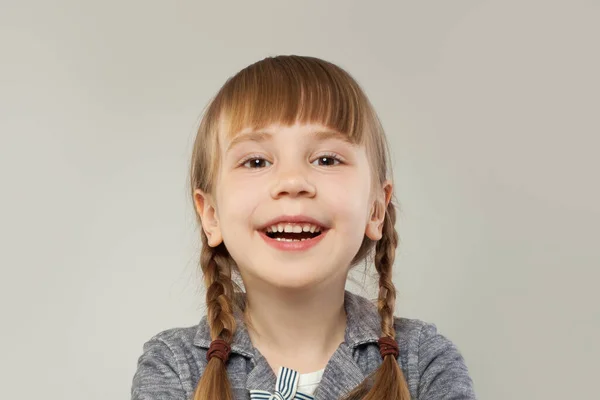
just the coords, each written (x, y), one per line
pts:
(260, 136)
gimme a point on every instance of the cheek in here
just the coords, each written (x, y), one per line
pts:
(237, 201)
(348, 199)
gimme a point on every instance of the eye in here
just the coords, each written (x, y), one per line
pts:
(329, 159)
(254, 162)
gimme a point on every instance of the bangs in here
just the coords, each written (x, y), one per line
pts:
(289, 90)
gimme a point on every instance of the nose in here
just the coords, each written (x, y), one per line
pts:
(292, 182)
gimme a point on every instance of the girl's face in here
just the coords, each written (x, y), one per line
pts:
(300, 170)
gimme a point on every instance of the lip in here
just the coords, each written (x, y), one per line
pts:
(294, 219)
(299, 245)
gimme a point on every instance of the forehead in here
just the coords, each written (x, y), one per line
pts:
(308, 132)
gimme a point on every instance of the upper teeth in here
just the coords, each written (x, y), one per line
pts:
(294, 228)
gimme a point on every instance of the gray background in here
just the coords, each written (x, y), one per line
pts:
(491, 109)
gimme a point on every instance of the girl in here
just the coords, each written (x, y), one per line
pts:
(289, 177)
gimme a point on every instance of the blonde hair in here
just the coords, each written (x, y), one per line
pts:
(287, 90)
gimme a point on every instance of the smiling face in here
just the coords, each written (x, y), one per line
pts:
(300, 170)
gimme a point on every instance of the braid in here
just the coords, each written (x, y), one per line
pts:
(214, 383)
(219, 292)
(386, 382)
(385, 253)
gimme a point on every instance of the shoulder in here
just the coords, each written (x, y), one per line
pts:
(168, 361)
(174, 337)
(416, 332)
(410, 327)
(434, 365)
(171, 344)
(424, 340)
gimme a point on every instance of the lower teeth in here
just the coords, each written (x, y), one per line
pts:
(289, 240)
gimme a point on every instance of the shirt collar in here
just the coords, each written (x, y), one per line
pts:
(363, 325)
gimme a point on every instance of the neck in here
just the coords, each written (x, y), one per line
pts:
(299, 329)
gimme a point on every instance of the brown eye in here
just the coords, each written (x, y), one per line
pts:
(328, 160)
(255, 163)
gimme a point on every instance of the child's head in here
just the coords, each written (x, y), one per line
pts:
(290, 136)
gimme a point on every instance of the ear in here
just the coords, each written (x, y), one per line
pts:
(374, 229)
(206, 209)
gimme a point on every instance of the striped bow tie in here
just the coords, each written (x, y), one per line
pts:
(285, 388)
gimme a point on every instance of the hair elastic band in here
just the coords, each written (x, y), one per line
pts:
(387, 346)
(220, 349)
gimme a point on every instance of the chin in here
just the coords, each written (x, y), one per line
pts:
(293, 278)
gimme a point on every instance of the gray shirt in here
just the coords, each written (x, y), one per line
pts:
(173, 360)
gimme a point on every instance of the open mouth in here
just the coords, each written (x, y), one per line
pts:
(291, 236)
